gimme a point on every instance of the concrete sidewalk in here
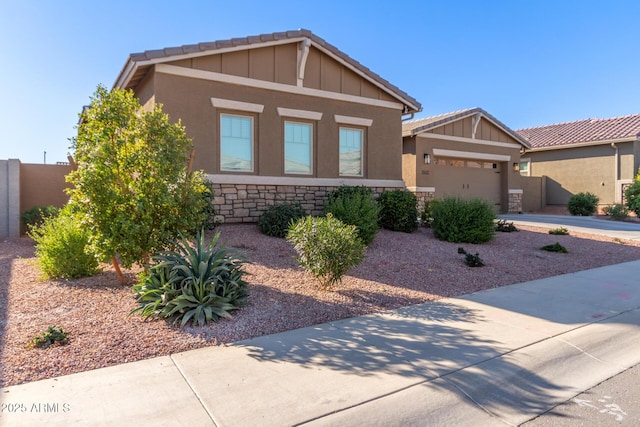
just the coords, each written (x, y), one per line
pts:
(493, 357)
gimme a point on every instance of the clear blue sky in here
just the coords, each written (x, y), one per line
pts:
(528, 63)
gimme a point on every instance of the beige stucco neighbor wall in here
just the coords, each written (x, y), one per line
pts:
(42, 185)
(534, 193)
(584, 169)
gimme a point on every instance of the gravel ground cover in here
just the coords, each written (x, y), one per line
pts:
(399, 269)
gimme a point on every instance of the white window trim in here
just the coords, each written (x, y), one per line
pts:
(361, 174)
(528, 162)
(230, 104)
(310, 150)
(299, 114)
(252, 144)
(356, 121)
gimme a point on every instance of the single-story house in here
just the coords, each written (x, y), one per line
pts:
(467, 153)
(600, 156)
(277, 117)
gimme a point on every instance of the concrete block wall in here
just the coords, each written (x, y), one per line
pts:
(9, 198)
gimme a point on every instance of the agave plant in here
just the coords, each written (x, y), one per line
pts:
(198, 284)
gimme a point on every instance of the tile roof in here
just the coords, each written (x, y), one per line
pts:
(135, 69)
(583, 131)
(414, 127)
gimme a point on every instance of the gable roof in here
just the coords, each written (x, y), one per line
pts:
(138, 64)
(417, 126)
(588, 131)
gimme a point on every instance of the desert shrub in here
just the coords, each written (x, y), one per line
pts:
(350, 191)
(51, 337)
(62, 246)
(617, 212)
(583, 204)
(463, 221)
(197, 284)
(472, 260)
(398, 211)
(36, 215)
(356, 208)
(632, 196)
(275, 220)
(426, 215)
(560, 231)
(209, 212)
(505, 227)
(326, 247)
(556, 247)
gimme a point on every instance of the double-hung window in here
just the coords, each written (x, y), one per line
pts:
(236, 143)
(298, 148)
(351, 152)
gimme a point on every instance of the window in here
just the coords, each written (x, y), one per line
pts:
(524, 168)
(236, 143)
(298, 148)
(351, 162)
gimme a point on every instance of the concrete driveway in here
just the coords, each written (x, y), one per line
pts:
(580, 224)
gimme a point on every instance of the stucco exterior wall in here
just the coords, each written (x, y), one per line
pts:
(583, 169)
(189, 99)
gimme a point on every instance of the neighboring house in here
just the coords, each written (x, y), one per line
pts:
(466, 153)
(277, 117)
(600, 156)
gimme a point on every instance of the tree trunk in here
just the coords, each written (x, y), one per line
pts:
(116, 266)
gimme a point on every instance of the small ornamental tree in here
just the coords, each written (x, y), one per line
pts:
(632, 195)
(132, 182)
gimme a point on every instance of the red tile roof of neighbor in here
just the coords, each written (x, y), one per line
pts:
(137, 63)
(583, 131)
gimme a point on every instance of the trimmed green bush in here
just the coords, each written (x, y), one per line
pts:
(463, 221)
(617, 212)
(197, 284)
(560, 231)
(209, 212)
(583, 204)
(505, 227)
(426, 216)
(398, 211)
(36, 215)
(356, 208)
(326, 247)
(632, 196)
(556, 247)
(62, 247)
(275, 221)
(350, 191)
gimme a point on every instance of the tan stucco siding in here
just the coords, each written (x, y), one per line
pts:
(581, 169)
(190, 100)
(145, 92)
(409, 161)
(485, 130)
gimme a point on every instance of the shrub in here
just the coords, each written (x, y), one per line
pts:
(583, 204)
(62, 247)
(197, 284)
(36, 215)
(560, 231)
(556, 247)
(470, 259)
(51, 337)
(398, 211)
(350, 191)
(356, 208)
(209, 212)
(463, 221)
(426, 216)
(505, 227)
(617, 212)
(275, 220)
(326, 247)
(632, 196)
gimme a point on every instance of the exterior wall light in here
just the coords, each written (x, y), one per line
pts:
(516, 167)
(427, 159)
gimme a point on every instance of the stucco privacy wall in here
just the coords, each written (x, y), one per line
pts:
(9, 198)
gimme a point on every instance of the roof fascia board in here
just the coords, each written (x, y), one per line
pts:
(280, 87)
(468, 140)
(583, 144)
(364, 75)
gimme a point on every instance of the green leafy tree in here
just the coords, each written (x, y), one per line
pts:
(132, 181)
(632, 195)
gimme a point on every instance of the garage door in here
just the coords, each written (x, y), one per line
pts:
(468, 179)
